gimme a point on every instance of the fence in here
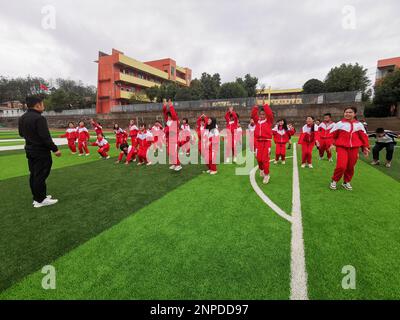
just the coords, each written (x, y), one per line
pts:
(322, 98)
(74, 112)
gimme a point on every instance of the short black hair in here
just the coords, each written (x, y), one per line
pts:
(33, 100)
(142, 124)
(328, 114)
(352, 108)
(123, 146)
(380, 130)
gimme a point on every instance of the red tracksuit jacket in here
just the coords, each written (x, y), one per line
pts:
(97, 128)
(350, 134)
(70, 134)
(324, 130)
(263, 130)
(100, 143)
(83, 134)
(307, 135)
(281, 135)
(133, 131)
(231, 124)
(171, 125)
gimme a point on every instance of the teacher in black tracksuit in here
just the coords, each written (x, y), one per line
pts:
(33, 128)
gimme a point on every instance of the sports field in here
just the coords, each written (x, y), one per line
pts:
(128, 232)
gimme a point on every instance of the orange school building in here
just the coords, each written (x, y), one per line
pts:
(121, 77)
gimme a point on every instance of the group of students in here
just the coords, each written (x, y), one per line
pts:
(348, 136)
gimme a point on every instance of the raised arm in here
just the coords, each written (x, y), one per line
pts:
(254, 113)
(269, 114)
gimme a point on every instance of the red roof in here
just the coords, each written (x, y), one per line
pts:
(389, 62)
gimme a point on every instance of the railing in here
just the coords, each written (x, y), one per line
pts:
(301, 99)
(73, 112)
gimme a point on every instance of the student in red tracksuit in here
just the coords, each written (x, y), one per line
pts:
(308, 139)
(282, 133)
(184, 136)
(326, 137)
(201, 125)
(129, 151)
(157, 131)
(251, 127)
(144, 141)
(349, 136)
(171, 134)
(133, 131)
(83, 138)
(121, 136)
(103, 145)
(212, 146)
(231, 119)
(264, 119)
(97, 127)
(71, 135)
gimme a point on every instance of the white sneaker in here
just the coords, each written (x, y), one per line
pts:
(375, 163)
(48, 197)
(208, 171)
(388, 165)
(172, 167)
(148, 163)
(234, 159)
(228, 160)
(266, 179)
(320, 158)
(46, 202)
(283, 162)
(303, 165)
(333, 185)
(275, 162)
(87, 154)
(139, 163)
(330, 160)
(108, 157)
(347, 186)
(73, 152)
(81, 154)
(178, 168)
(310, 166)
(213, 172)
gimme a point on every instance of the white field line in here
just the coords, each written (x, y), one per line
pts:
(57, 141)
(298, 278)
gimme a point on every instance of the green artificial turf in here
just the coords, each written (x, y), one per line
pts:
(94, 196)
(359, 228)
(11, 143)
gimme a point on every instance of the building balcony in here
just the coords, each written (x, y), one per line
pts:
(142, 67)
(137, 81)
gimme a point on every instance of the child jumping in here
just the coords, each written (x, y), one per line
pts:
(171, 134)
(103, 145)
(71, 135)
(144, 141)
(231, 119)
(349, 136)
(264, 119)
(83, 138)
(325, 137)
(282, 133)
(308, 138)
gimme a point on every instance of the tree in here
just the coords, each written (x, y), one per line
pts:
(347, 77)
(314, 86)
(232, 90)
(387, 94)
(197, 89)
(211, 85)
(249, 83)
(152, 93)
(183, 94)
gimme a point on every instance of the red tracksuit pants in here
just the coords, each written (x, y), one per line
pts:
(142, 154)
(212, 159)
(103, 150)
(263, 151)
(72, 145)
(346, 161)
(172, 149)
(231, 148)
(306, 152)
(325, 146)
(280, 151)
(82, 146)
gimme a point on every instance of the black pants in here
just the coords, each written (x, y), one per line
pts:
(39, 167)
(389, 150)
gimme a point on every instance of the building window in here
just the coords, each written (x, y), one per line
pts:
(172, 71)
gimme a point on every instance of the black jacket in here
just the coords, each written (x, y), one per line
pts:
(33, 127)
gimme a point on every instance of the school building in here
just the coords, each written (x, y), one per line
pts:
(386, 66)
(280, 96)
(121, 78)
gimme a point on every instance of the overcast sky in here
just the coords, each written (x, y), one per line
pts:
(283, 43)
